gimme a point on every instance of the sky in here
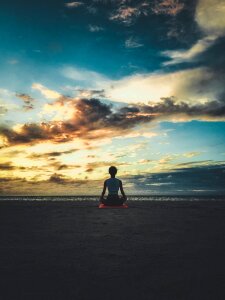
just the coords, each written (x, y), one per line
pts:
(135, 84)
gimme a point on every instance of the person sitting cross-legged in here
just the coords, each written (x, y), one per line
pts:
(113, 185)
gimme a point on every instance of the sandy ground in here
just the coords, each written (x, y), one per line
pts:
(153, 250)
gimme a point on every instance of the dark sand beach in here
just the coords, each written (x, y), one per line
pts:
(73, 250)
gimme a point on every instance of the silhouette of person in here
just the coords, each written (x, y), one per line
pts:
(113, 185)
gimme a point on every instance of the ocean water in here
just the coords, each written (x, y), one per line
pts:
(130, 198)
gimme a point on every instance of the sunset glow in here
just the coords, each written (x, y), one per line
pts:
(135, 84)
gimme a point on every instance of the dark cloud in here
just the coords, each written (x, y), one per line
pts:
(63, 167)
(169, 106)
(7, 166)
(187, 180)
(90, 117)
(57, 178)
(193, 163)
(11, 180)
(59, 166)
(28, 101)
(63, 180)
(93, 119)
(51, 154)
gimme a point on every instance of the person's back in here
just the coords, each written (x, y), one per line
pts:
(113, 185)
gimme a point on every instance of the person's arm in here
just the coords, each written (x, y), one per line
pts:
(103, 191)
(122, 191)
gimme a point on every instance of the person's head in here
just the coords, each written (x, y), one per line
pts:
(112, 171)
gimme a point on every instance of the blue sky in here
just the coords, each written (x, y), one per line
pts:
(89, 84)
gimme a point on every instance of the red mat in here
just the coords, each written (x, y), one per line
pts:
(112, 206)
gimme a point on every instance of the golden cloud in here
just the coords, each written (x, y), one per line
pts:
(91, 119)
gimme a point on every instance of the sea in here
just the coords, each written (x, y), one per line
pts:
(131, 198)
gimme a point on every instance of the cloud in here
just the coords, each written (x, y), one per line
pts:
(92, 119)
(88, 93)
(202, 179)
(210, 16)
(47, 93)
(56, 184)
(60, 166)
(74, 4)
(64, 180)
(132, 43)
(192, 154)
(7, 166)
(128, 14)
(60, 179)
(85, 77)
(51, 154)
(169, 107)
(57, 179)
(28, 101)
(168, 7)
(182, 56)
(206, 178)
(191, 85)
(194, 164)
(125, 14)
(95, 28)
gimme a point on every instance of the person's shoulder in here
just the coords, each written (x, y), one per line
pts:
(120, 181)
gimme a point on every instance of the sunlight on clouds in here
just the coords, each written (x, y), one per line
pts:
(197, 85)
(71, 165)
(140, 133)
(140, 88)
(99, 91)
(181, 56)
(47, 93)
(210, 16)
(59, 111)
(192, 154)
(152, 87)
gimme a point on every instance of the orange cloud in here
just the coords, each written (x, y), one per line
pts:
(168, 7)
(91, 119)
